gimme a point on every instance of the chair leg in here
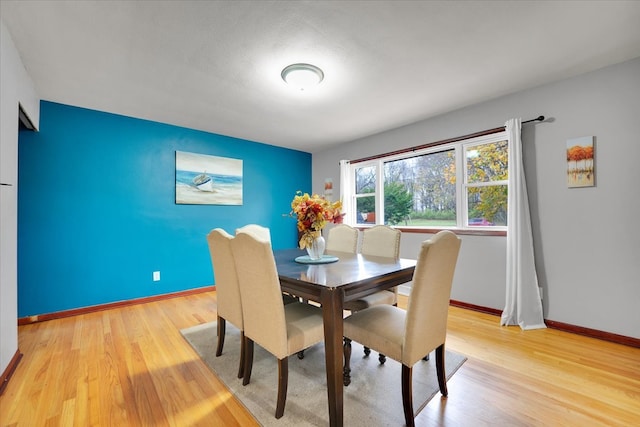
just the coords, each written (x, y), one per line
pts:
(248, 360)
(367, 350)
(242, 355)
(346, 370)
(283, 381)
(221, 331)
(407, 395)
(442, 377)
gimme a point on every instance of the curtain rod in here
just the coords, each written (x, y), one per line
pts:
(537, 119)
(446, 141)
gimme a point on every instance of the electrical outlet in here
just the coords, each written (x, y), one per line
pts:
(156, 276)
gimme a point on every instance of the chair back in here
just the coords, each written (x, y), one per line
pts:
(226, 280)
(428, 306)
(262, 233)
(381, 240)
(342, 238)
(262, 306)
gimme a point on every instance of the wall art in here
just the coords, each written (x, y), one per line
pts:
(208, 180)
(328, 188)
(580, 162)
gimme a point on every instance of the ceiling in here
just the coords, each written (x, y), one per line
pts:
(215, 66)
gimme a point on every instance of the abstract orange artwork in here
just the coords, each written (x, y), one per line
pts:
(580, 162)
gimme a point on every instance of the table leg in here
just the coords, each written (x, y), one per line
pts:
(332, 302)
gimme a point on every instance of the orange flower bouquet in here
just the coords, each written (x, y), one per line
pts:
(313, 213)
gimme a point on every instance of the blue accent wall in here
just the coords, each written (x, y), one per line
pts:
(97, 212)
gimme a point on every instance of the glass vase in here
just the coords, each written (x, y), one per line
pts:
(317, 248)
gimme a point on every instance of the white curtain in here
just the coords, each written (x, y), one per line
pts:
(523, 305)
(345, 192)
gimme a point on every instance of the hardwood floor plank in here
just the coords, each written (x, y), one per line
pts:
(67, 416)
(131, 366)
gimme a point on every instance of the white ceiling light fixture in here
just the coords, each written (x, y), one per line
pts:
(302, 76)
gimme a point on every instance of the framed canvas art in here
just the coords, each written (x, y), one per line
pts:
(328, 188)
(580, 162)
(208, 180)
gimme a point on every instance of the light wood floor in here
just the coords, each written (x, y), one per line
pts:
(130, 366)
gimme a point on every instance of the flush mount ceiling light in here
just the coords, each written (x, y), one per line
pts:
(302, 76)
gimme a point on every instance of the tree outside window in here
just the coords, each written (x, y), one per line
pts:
(423, 190)
(487, 177)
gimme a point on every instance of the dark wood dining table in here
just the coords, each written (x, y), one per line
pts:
(351, 277)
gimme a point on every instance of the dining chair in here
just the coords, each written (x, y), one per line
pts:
(343, 238)
(227, 290)
(263, 233)
(406, 336)
(281, 329)
(383, 241)
(259, 231)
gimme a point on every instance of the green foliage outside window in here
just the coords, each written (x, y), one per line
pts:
(397, 203)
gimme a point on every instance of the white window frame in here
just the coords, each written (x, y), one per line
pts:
(462, 185)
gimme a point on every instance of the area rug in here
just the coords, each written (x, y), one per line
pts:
(374, 397)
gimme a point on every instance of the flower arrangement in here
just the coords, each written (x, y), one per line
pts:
(313, 213)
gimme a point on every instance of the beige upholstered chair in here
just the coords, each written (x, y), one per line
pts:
(280, 329)
(262, 233)
(383, 241)
(227, 290)
(406, 336)
(342, 238)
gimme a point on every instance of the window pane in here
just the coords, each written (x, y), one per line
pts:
(399, 177)
(487, 205)
(487, 162)
(421, 191)
(366, 210)
(366, 180)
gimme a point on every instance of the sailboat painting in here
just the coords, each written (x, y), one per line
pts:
(208, 180)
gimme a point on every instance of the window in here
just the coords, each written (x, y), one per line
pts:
(458, 184)
(486, 175)
(365, 181)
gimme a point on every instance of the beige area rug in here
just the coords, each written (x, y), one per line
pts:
(374, 397)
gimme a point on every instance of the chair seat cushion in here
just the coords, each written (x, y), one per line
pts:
(382, 297)
(380, 328)
(304, 327)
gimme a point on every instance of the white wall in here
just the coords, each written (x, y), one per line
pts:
(16, 88)
(587, 240)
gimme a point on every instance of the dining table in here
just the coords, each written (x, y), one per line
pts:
(331, 281)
